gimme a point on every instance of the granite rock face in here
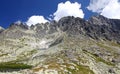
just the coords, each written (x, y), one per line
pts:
(69, 46)
(97, 27)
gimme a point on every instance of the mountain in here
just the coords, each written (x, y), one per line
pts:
(69, 46)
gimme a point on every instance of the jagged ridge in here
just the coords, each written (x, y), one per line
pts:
(97, 27)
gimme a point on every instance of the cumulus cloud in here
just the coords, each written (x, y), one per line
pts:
(18, 22)
(68, 9)
(97, 5)
(36, 19)
(107, 8)
(112, 10)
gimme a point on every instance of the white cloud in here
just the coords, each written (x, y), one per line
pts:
(18, 22)
(1, 28)
(36, 19)
(68, 9)
(107, 8)
(97, 5)
(112, 10)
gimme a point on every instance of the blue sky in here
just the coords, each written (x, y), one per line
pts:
(14, 10)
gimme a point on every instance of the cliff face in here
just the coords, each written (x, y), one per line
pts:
(97, 27)
(69, 46)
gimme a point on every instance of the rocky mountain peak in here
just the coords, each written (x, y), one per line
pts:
(70, 20)
(70, 23)
(18, 25)
(99, 20)
(97, 27)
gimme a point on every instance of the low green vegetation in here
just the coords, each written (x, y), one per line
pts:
(80, 69)
(3, 54)
(114, 44)
(99, 59)
(104, 46)
(11, 66)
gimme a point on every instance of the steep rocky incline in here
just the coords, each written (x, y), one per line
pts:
(69, 46)
(97, 27)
